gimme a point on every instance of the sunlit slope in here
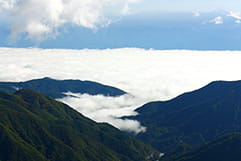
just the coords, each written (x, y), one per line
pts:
(35, 127)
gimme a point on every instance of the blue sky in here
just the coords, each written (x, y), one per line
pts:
(186, 5)
(148, 75)
(158, 24)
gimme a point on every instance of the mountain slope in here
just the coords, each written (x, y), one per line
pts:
(35, 127)
(226, 148)
(192, 118)
(56, 88)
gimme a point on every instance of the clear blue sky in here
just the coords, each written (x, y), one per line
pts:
(149, 6)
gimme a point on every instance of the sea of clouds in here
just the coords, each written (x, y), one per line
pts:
(146, 75)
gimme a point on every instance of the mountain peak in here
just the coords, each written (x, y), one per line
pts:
(194, 117)
(57, 88)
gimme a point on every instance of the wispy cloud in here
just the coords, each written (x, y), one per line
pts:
(238, 21)
(217, 20)
(147, 75)
(41, 19)
(197, 14)
(236, 16)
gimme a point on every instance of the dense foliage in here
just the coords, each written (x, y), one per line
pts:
(226, 148)
(192, 118)
(56, 88)
(34, 127)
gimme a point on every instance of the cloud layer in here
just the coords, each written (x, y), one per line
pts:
(38, 20)
(147, 75)
(107, 109)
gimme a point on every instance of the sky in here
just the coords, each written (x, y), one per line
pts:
(152, 49)
(187, 6)
(94, 24)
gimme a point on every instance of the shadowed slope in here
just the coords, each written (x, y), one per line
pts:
(226, 148)
(56, 88)
(192, 118)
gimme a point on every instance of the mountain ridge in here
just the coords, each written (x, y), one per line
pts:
(36, 127)
(223, 148)
(57, 88)
(192, 118)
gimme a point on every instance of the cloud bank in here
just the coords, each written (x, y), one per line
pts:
(147, 75)
(38, 20)
(107, 109)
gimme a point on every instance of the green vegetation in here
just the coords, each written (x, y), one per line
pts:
(56, 88)
(226, 148)
(193, 118)
(34, 127)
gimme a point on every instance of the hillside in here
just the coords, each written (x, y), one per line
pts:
(56, 88)
(192, 118)
(34, 127)
(226, 148)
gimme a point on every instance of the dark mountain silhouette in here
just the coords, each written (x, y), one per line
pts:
(56, 88)
(192, 118)
(226, 148)
(34, 127)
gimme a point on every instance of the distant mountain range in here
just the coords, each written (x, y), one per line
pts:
(193, 118)
(57, 88)
(200, 125)
(34, 127)
(226, 148)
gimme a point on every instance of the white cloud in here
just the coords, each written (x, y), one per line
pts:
(6, 4)
(110, 109)
(238, 21)
(147, 75)
(217, 20)
(236, 15)
(41, 19)
(197, 14)
(127, 125)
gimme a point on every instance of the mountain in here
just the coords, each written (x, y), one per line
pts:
(56, 88)
(226, 148)
(192, 118)
(35, 127)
